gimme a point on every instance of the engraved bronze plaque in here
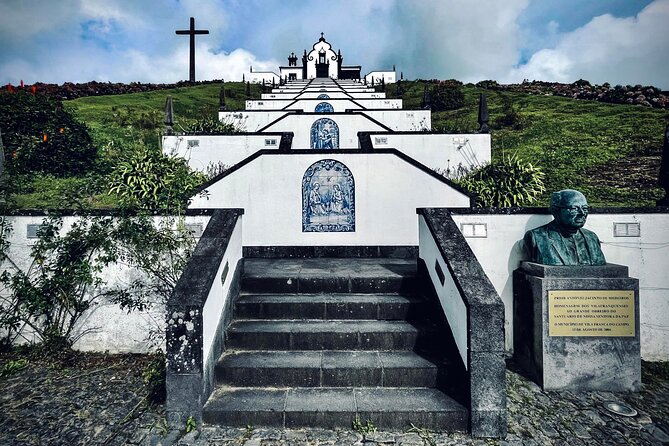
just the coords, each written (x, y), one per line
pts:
(591, 313)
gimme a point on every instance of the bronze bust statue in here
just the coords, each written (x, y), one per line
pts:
(563, 241)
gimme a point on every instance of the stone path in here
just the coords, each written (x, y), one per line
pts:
(535, 418)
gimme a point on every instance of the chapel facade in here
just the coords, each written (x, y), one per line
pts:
(322, 61)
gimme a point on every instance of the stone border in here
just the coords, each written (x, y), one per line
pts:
(189, 376)
(367, 252)
(485, 325)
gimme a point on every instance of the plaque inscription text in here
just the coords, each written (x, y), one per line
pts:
(591, 313)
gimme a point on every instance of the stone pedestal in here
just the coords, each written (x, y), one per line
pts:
(577, 327)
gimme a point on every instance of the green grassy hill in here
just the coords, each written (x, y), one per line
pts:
(610, 152)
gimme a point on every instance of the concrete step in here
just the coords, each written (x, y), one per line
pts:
(327, 335)
(330, 369)
(330, 306)
(387, 408)
(328, 275)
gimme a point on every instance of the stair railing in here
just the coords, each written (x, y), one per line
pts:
(198, 312)
(475, 314)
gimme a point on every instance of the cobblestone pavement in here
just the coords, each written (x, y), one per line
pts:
(535, 418)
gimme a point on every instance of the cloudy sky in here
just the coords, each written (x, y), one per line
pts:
(616, 41)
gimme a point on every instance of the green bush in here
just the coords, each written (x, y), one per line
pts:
(62, 282)
(446, 96)
(510, 117)
(40, 136)
(151, 181)
(505, 183)
(210, 126)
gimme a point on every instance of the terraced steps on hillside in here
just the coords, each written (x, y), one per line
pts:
(317, 342)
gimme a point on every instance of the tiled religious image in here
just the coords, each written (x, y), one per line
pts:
(324, 134)
(328, 198)
(324, 107)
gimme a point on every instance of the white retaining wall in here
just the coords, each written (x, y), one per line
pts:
(387, 192)
(349, 126)
(109, 327)
(402, 120)
(438, 151)
(500, 253)
(202, 151)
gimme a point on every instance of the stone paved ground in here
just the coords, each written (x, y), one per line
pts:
(535, 418)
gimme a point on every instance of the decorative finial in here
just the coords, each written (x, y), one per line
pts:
(483, 114)
(663, 177)
(169, 115)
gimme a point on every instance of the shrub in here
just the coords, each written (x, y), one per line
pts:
(151, 181)
(63, 280)
(446, 96)
(210, 126)
(505, 183)
(40, 136)
(510, 118)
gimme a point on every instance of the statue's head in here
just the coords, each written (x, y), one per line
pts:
(570, 209)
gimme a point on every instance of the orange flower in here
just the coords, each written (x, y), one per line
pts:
(44, 137)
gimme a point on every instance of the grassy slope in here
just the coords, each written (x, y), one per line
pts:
(611, 152)
(117, 125)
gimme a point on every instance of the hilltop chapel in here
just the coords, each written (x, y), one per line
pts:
(316, 311)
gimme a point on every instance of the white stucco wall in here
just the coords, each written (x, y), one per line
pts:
(387, 192)
(268, 76)
(332, 94)
(107, 326)
(450, 298)
(349, 126)
(389, 77)
(438, 151)
(212, 150)
(330, 56)
(218, 294)
(250, 121)
(402, 120)
(646, 257)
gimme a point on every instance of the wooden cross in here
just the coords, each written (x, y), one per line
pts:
(192, 32)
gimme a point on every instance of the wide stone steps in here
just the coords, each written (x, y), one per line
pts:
(325, 275)
(330, 369)
(326, 335)
(389, 408)
(330, 306)
(317, 342)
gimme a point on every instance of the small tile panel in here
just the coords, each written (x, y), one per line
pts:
(328, 198)
(324, 134)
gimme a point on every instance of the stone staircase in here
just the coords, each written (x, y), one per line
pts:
(316, 342)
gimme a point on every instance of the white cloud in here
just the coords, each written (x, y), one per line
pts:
(459, 39)
(628, 50)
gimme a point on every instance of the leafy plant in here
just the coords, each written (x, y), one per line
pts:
(154, 378)
(191, 424)
(11, 367)
(424, 434)
(151, 181)
(63, 281)
(505, 183)
(210, 125)
(363, 428)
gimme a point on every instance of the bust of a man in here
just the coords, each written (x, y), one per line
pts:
(563, 241)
